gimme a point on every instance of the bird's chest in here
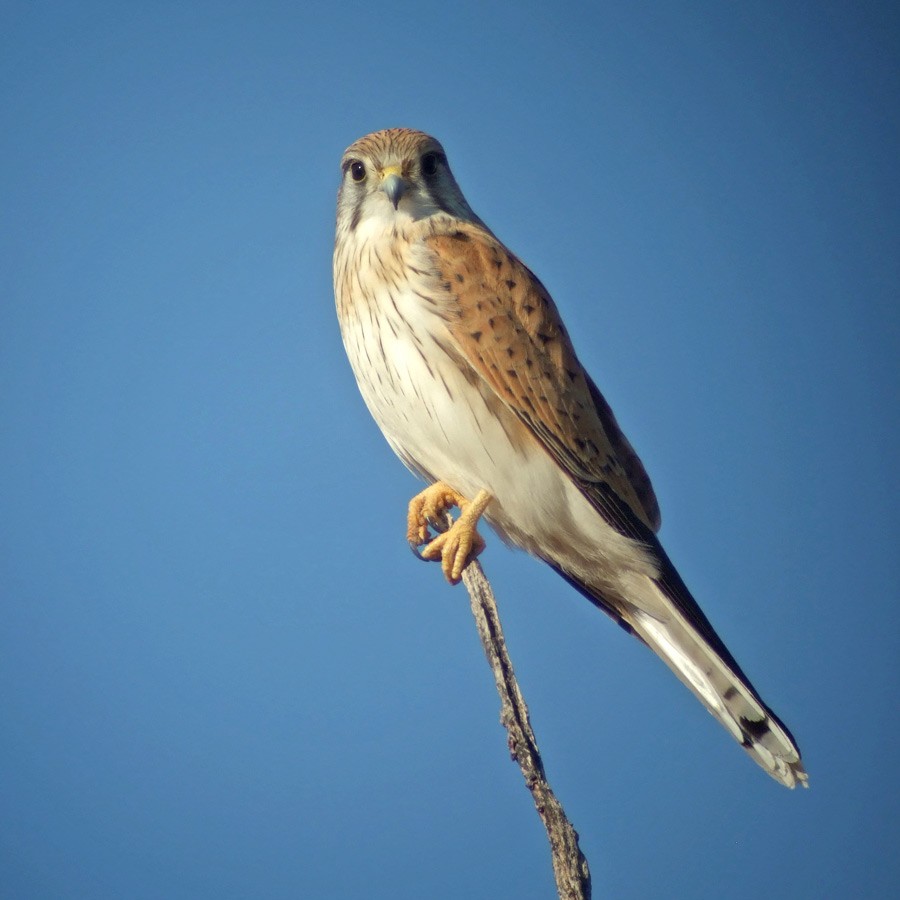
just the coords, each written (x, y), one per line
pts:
(430, 405)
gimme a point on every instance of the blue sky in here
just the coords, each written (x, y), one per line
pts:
(223, 674)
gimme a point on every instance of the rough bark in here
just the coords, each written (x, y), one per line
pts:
(573, 878)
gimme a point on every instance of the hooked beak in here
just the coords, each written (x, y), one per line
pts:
(392, 184)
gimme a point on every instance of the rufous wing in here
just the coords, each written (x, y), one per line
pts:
(509, 331)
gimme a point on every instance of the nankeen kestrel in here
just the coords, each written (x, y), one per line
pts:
(463, 360)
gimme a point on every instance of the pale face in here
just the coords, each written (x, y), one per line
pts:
(397, 176)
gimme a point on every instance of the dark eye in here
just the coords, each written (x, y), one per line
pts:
(429, 164)
(357, 170)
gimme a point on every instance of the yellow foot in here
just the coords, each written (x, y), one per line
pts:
(459, 544)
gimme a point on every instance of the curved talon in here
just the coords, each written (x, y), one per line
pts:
(428, 509)
(455, 546)
(437, 523)
(417, 552)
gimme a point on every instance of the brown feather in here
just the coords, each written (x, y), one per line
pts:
(510, 332)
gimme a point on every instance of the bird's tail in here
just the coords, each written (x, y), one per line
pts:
(666, 618)
(727, 694)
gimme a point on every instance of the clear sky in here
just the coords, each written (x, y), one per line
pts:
(222, 673)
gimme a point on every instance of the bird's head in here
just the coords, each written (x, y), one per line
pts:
(397, 174)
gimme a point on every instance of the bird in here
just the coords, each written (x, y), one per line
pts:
(464, 362)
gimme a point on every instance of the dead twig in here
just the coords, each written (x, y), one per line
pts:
(573, 878)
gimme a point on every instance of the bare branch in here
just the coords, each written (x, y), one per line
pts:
(573, 878)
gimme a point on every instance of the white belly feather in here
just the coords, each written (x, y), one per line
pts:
(441, 426)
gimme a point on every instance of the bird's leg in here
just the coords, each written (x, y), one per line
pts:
(458, 544)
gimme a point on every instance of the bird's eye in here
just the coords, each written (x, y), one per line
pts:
(429, 164)
(357, 170)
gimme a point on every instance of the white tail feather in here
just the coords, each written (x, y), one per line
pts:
(724, 693)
